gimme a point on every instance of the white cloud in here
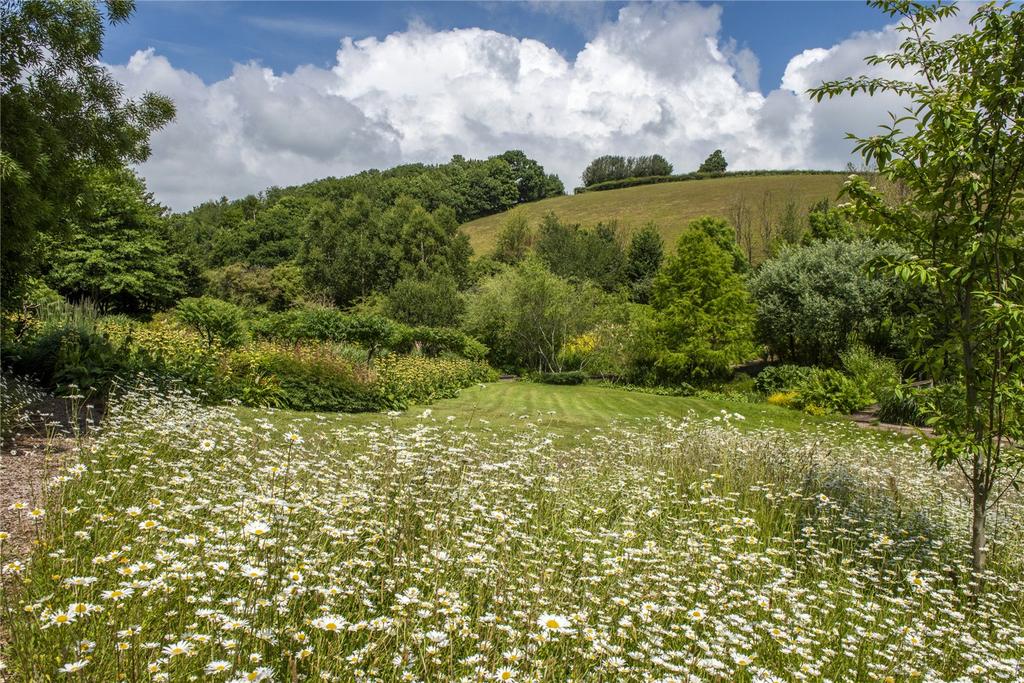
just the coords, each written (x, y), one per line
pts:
(657, 78)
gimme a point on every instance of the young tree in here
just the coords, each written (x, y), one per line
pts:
(63, 116)
(715, 163)
(723, 234)
(514, 240)
(958, 149)
(790, 227)
(825, 222)
(742, 221)
(702, 312)
(643, 259)
(526, 314)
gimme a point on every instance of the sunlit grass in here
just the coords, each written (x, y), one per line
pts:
(669, 205)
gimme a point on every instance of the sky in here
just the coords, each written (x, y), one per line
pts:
(279, 93)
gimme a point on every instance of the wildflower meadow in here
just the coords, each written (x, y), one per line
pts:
(184, 542)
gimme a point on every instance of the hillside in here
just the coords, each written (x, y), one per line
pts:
(672, 205)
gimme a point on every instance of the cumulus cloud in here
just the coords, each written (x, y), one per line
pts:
(656, 78)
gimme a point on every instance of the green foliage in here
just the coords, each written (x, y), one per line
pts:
(358, 250)
(514, 240)
(63, 117)
(372, 332)
(878, 377)
(436, 341)
(715, 163)
(218, 321)
(432, 301)
(790, 227)
(528, 176)
(277, 288)
(957, 153)
(567, 378)
(406, 380)
(553, 186)
(682, 177)
(305, 378)
(643, 260)
(118, 253)
(366, 211)
(723, 234)
(299, 374)
(778, 378)
(572, 252)
(702, 314)
(905, 406)
(828, 223)
(526, 314)
(812, 301)
(606, 350)
(605, 168)
(828, 391)
(64, 348)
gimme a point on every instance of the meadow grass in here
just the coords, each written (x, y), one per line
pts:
(630, 537)
(669, 205)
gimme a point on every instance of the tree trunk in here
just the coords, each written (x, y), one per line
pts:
(978, 556)
(979, 492)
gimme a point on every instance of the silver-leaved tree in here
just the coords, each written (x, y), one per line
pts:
(957, 153)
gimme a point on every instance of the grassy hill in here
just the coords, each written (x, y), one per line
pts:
(672, 205)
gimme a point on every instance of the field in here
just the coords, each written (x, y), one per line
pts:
(669, 205)
(517, 533)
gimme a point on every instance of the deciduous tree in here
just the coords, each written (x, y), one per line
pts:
(958, 149)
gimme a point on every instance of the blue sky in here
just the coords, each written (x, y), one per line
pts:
(207, 38)
(280, 93)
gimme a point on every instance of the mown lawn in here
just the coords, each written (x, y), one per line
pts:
(572, 411)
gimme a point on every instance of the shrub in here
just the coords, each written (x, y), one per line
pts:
(829, 390)
(560, 378)
(784, 399)
(878, 377)
(904, 406)
(302, 378)
(780, 378)
(168, 351)
(405, 380)
(434, 341)
(373, 332)
(276, 288)
(218, 321)
(63, 345)
(526, 314)
(433, 301)
(603, 351)
(811, 302)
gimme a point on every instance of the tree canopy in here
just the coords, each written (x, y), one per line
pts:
(610, 167)
(715, 163)
(63, 116)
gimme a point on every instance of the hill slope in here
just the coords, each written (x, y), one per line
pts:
(672, 205)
